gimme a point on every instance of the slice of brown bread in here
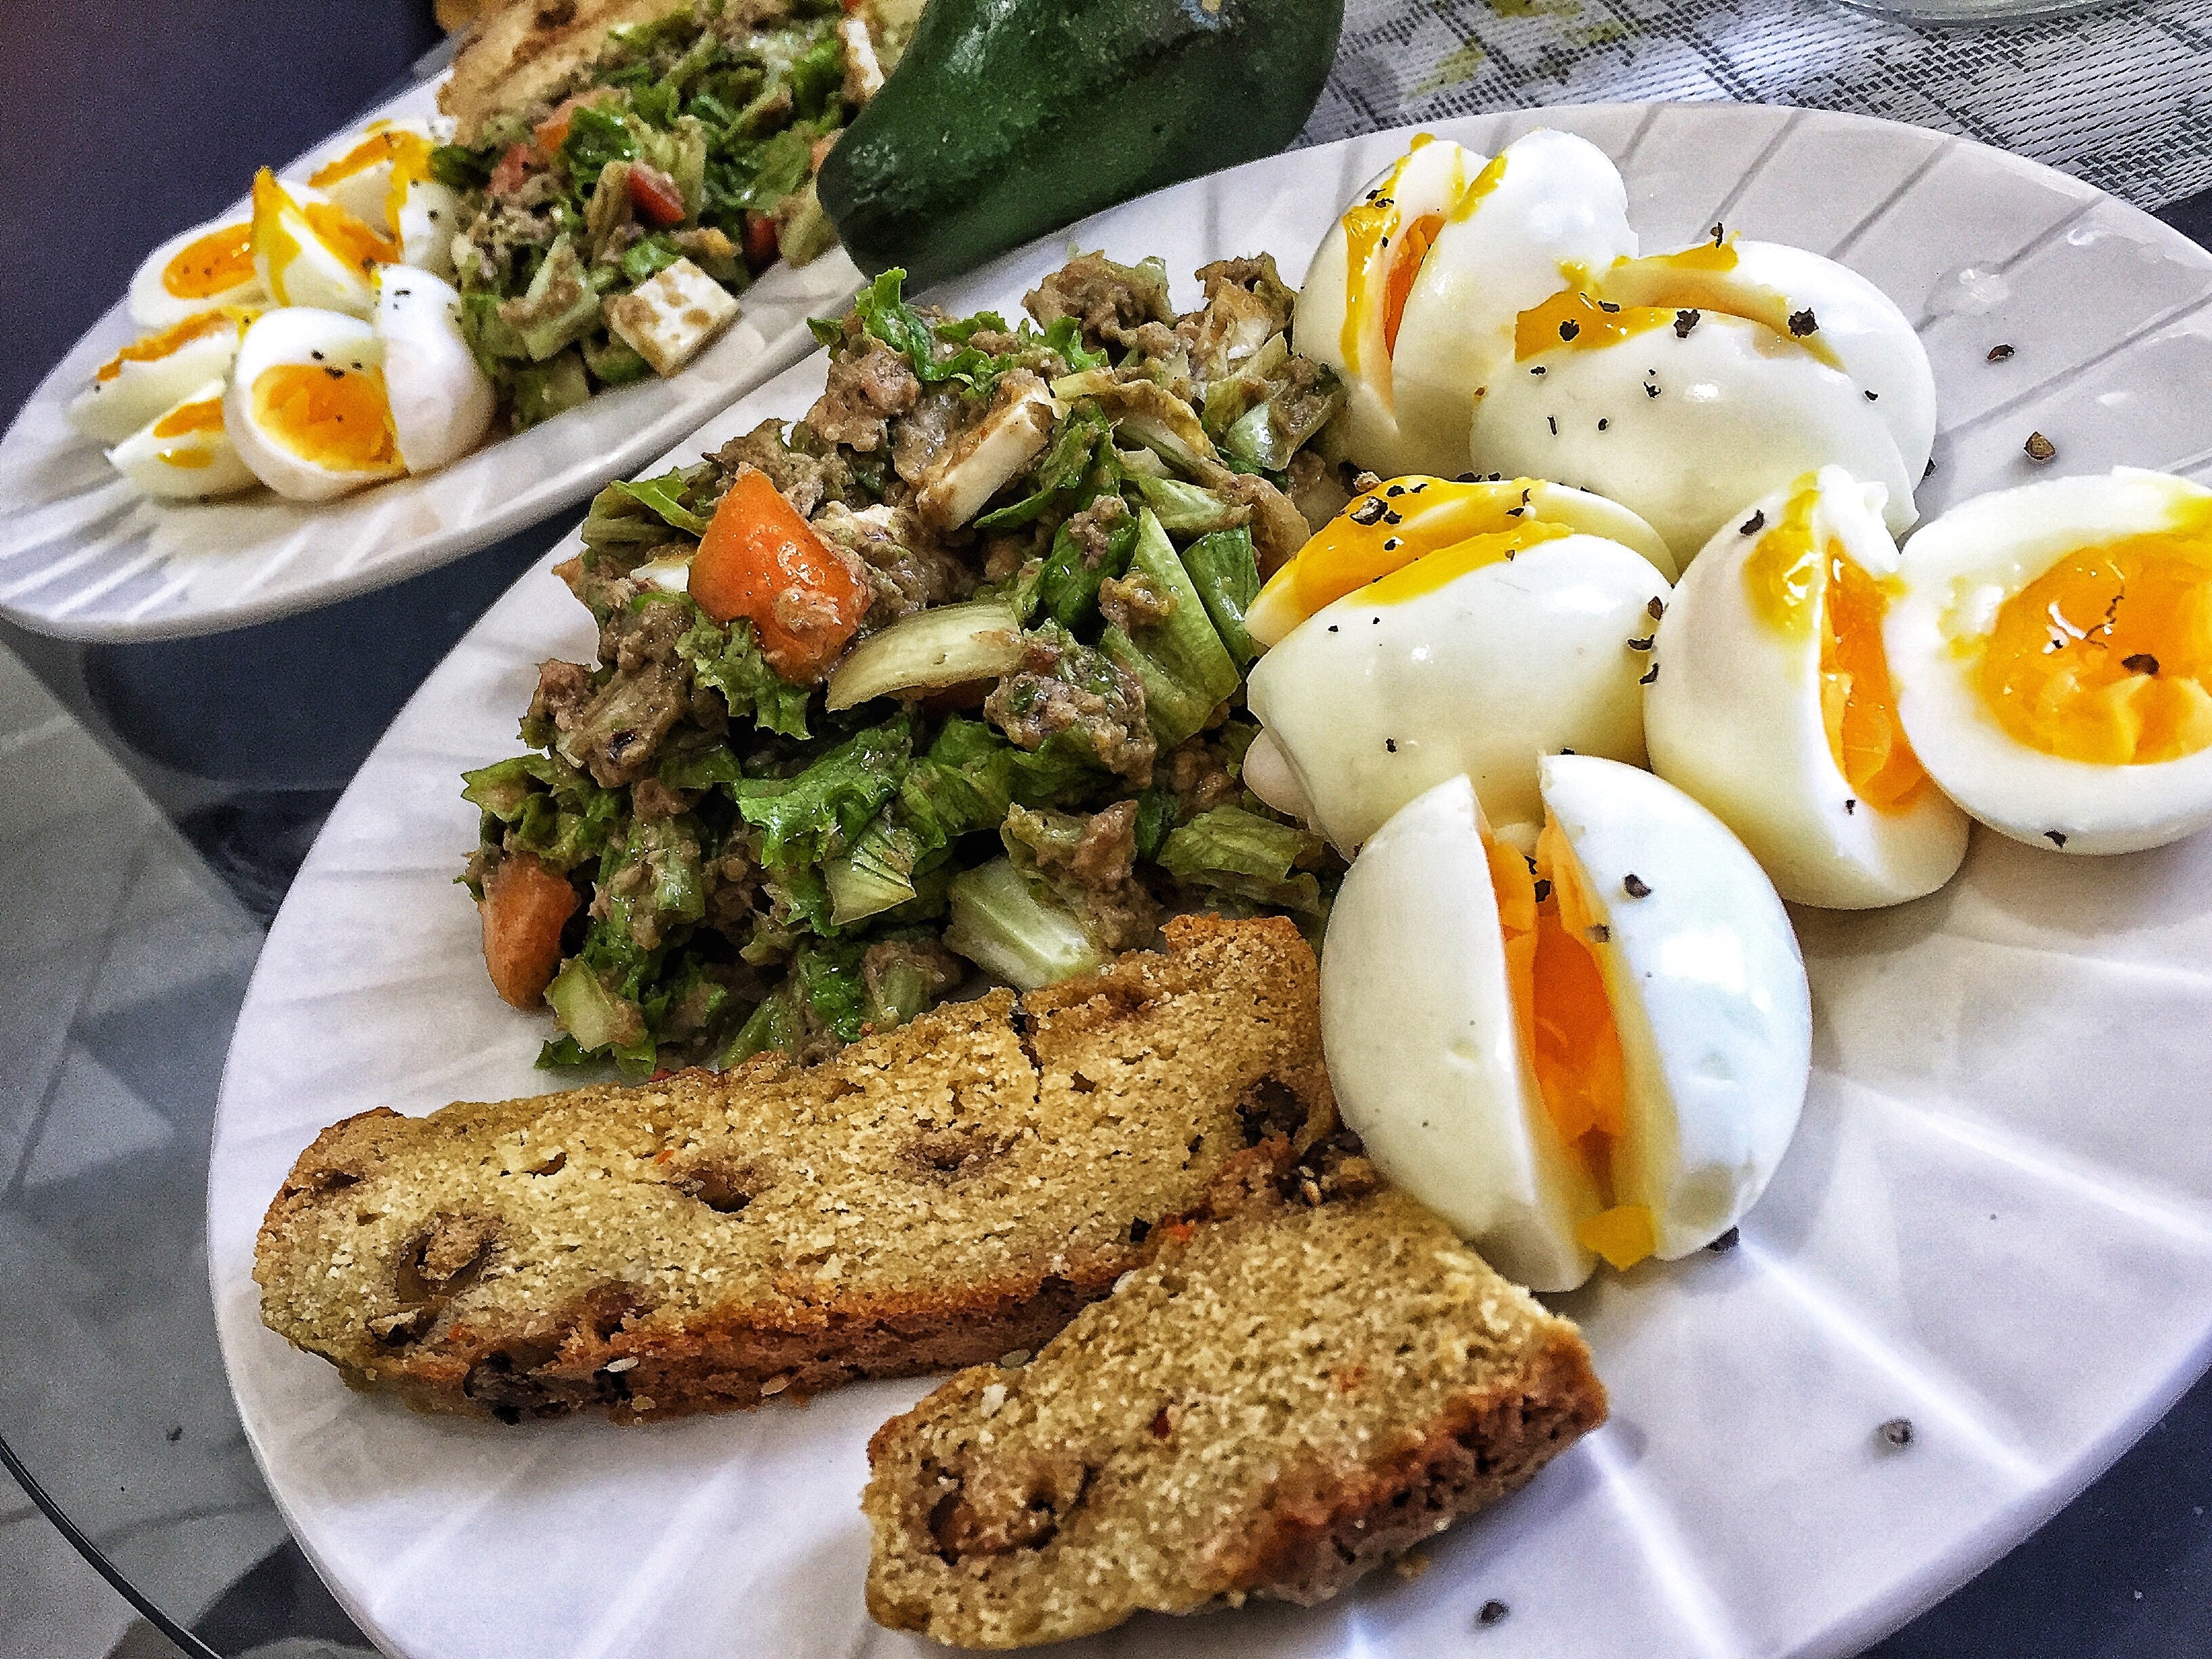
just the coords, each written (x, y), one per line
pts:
(936, 1196)
(1276, 1405)
(521, 52)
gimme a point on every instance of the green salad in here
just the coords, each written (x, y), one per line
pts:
(946, 676)
(691, 138)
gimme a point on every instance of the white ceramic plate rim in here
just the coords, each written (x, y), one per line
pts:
(1855, 1616)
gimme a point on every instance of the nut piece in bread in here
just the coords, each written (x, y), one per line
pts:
(929, 1198)
(1277, 1404)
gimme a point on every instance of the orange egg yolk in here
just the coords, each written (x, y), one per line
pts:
(153, 347)
(1567, 1026)
(1418, 237)
(211, 264)
(1572, 318)
(1795, 582)
(206, 415)
(1395, 523)
(337, 419)
(2106, 657)
(1705, 278)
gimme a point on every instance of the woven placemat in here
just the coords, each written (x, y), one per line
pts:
(2120, 96)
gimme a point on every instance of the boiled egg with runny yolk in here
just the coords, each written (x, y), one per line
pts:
(1828, 308)
(1775, 708)
(204, 269)
(184, 454)
(441, 400)
(1547, 204)
(1598, 1049)
(1356, 290)
(1681, 415)
(307, 405)
(385, 181)
(2053, 650)
(1435, 629)
(312, 252)
(149, 377)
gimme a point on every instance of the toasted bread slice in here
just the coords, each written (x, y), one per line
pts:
(1278, 1403)
(520, 52)
(938, 1196)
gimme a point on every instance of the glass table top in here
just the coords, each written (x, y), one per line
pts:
(155, 800)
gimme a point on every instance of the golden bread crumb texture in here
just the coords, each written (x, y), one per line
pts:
(1280, 1402)
(929, 1198)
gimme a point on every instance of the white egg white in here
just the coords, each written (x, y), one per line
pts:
(154, 302)
(1703, 977)
(137, 389)
(1957, 571)
(175, 457)
(292, 335)
(1735, 717)
(1547, 204)
(1843, 315)
(1337, 304)
(1708, 991)
(1425, 1049)
(1428, 515)
(1686, 427)
(441, 401)
(1367, 705)
(427, 219)
(297, 266)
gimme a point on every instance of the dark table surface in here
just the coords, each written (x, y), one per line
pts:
(118, 124)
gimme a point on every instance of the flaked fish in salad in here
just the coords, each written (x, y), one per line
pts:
(946, 676)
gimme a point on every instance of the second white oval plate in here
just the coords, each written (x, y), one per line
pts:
(84, 555)
(1997, 1220)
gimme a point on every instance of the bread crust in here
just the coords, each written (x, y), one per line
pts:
(520, 52)
(1234, 1421)
(431, 1258)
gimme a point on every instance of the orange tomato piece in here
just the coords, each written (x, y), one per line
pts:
(761, 561)
(524, 907)
(655, 196)
(552, 132)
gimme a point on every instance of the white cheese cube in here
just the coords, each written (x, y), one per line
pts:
(669, 318)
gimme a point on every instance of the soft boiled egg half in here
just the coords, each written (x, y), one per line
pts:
(385, 181)
(1774, 705)
(201, 270)
(1665, 384)
(1598, 1050)
(310, 251)
(151, 376)
(2053, 650)
(1432, 630)
(1411, 296)
(321, 402)
(184, 454)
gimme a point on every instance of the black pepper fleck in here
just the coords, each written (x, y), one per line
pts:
(1332, 628)
(1642, 642)
(1392, 545)
(2055, 837)
(1597, 932)
(1469, 477)
(1569, 329)
(1850, 804)
(1686, 319)
(1753, 525)
(1802, 323)
(1538, 369)
(1718, 234)
(1606, 304)
(1999, 354)
(1393, 517)
(1655, 608)
(1649, 390)
(176, 1434)
(1603, 423)
(1543, 891)
(1635, 886)
(1898, 1432)
(1391, 745)
(1396, 490)
(317, 356)
(1552, 421)
(1366, 512)
(1493, 1611)
(2141, 663)
(1873, 397)
(1649, 676)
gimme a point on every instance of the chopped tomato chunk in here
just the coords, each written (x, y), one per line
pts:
(654, 194)
(513, 168)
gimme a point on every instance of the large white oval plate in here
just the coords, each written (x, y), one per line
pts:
(85, 555)
(1997, 1220)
